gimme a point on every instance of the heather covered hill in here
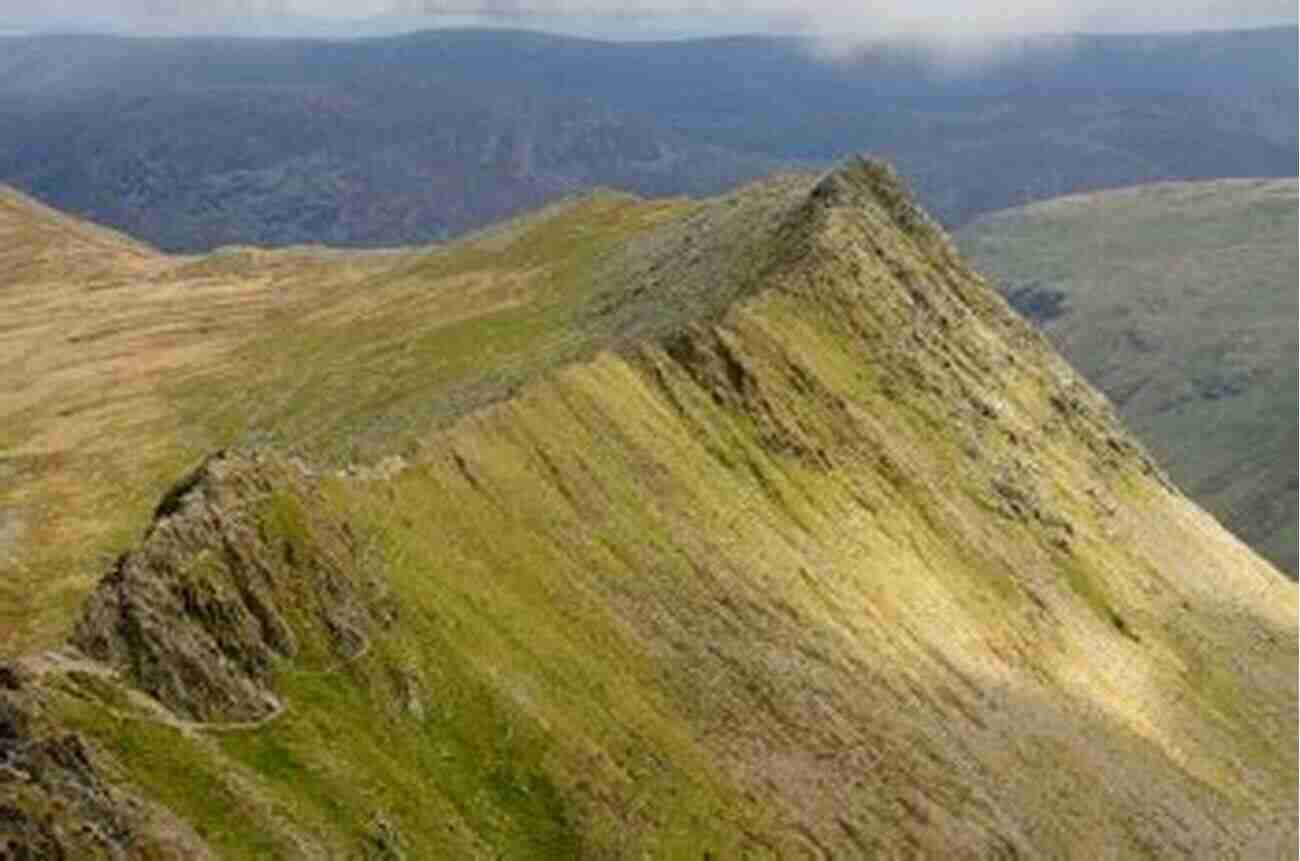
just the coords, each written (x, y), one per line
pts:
(757, 526)
(1179, 302)
(195, 143)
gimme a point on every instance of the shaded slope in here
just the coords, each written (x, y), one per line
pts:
(854, 565)
(1179, 302)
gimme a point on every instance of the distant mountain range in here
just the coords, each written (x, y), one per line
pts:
(195, 143)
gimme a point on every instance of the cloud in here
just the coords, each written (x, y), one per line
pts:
(914, 16)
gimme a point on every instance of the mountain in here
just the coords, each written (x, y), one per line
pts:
(755, 526)
(1179, 302)
(195, 143)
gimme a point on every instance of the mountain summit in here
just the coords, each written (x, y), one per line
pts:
(757, 527)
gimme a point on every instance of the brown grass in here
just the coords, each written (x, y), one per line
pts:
(123, 366)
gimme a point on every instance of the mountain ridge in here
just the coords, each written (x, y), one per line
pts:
(852, 563)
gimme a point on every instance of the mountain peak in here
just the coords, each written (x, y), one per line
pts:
(863, 178)
(744, 526)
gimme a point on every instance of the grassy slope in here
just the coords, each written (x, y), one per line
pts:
(97, 328)
(1180, 304)
(854, 565)
(128, 366)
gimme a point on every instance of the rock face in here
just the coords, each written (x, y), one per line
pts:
(235, 572)
(850, 564)
(56, 800)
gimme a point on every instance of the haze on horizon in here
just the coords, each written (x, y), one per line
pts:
(834, 20)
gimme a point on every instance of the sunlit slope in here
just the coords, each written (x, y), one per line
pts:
(95, 327)
(1179, 302)
(854, 565)
(122, 367)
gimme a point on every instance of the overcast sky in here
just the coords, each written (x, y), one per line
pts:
(954, 18)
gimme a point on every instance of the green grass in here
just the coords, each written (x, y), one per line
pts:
(365, 381)
(343, 357)
(472, 769)
(1179, 302)
(741, 591)
(182, 776)
(339, 356)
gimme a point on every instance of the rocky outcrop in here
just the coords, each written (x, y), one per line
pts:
(235, 573)
(59, 800)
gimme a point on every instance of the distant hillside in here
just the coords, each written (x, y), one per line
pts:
(191, 144)
(1179, 302)
(748, 527)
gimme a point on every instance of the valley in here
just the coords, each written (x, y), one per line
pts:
(193, 144)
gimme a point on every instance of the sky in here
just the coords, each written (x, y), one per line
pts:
(956, 19)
